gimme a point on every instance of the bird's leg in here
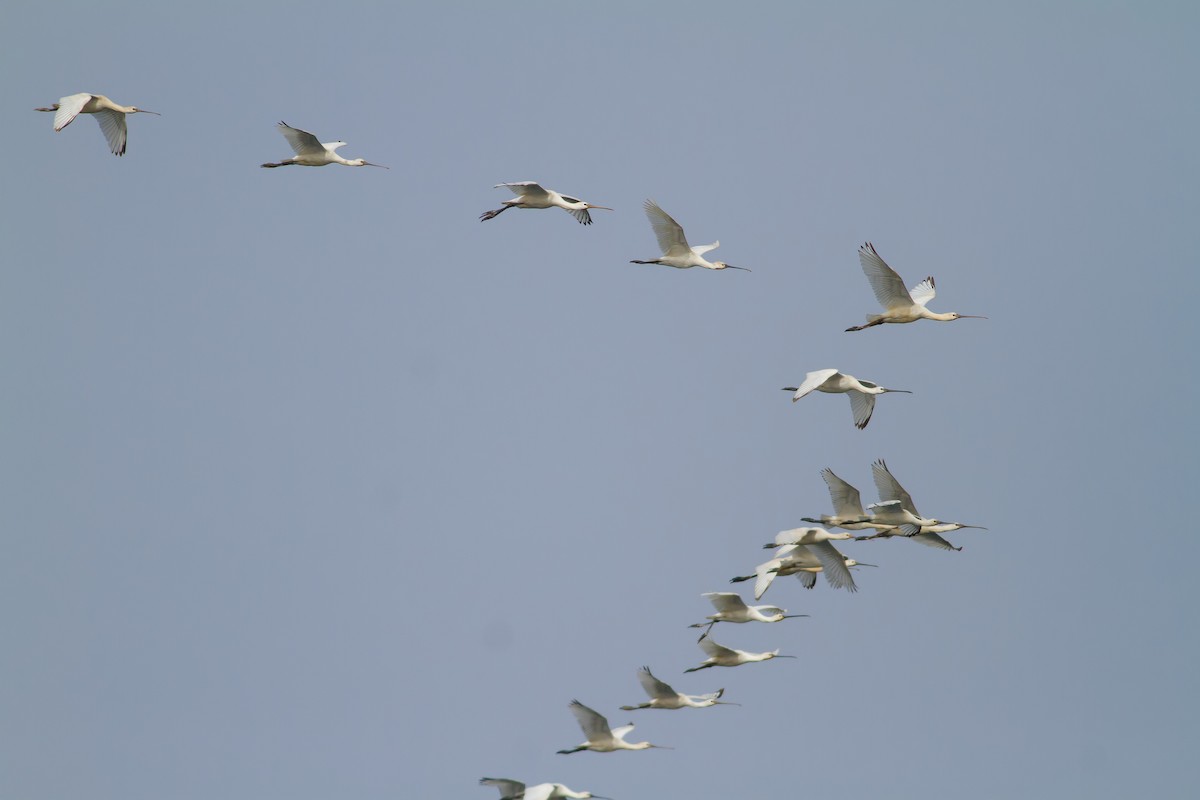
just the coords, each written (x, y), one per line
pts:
(489, 214)
(634, 261)
(864, 327)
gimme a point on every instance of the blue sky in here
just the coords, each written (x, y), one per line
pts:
(316, 486)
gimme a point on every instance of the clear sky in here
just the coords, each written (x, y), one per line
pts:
(316, 487)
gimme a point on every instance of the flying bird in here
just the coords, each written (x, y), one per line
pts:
(601, 738)
(676, 250)
(805, 561)
(312, 153)
(847, 506)
(109, 115)
(899, 304)
(531, 195)
(861, 393)
(663, 696)
(515, 790)
(896, 505)
(721, 656)
(731, 608)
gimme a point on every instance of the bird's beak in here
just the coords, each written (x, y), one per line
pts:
(602, 208)
(976, 527)
(861, 564)
(144, 111)
(724, 703)
(794, 616)
(970, 316)
(743, 269)
(369, 164)
(901, 391)
(600, 797)
(787, 656)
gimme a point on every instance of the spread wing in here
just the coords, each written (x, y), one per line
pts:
(890, 489)
(303, 143)
(524, 188)
(933, 540)
(715, 650)
(833, 564)
(847, 502)
(726, 602)
(811, 381)
(670, 236)
(887, 285)
(112, 125)
(923, 292)
(653, 686)
(69, 108)
(594, 725)
(701, 249)
(508, 787)
(861, 406)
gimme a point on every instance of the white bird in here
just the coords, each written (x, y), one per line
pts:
(515, 790)
(676, 250)
(663, 696)
(731, 608)
(805, 536)
(899, 304)
(721, 656)
(847, 506)
(312, 153)
(861, 393)
(805, 561)
(928, 536)
(601, 738)
(896, 506)
(531, 195)
(109, 115)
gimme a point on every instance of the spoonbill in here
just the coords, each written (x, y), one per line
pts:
(676, 250)
(899, 304)
(925, 536)
(312, 153)
(806, 536)
(601, 738)
(896, 506)
(847, 506)
(805, 561)
(531, 195)
(861, 393)
(109, 115)
(515, 790)
(731, 608)
(663, 696)
(721, 656)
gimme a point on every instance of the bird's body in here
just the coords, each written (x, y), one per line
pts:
(900, 305)
(530, 194)
(731, 608)
(847, 506)
(721, 656)
(310, 152)
(676, 250)
(861, 393)
(515, 790)
(798, 536)
(109, 115)
(896, 506)
(663, 696)
(600, 737)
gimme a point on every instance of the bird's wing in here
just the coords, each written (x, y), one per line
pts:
(622, 731)
(69, 108)
(846, 500)
(764, 575)
(726, 601)
(524, 188)
(834, 566)
(861, 405)
(112, 125)
(543, 791)
(507, 786)
(670, 236)
(653, 686)
(890, 488)
(812, 380)
(715, 650)
(580, 214)
(791, 537)
(887, 285)
(701, 249)
(932, 540)
(303, 143)
(923, 292)
(808, 579)
(332, 147)
(594, 725)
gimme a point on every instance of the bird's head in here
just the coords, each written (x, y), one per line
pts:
(362, 162)
(723, 265)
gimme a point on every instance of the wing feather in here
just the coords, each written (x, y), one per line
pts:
(890, 488)
(112, 125)
(847, 502)
(861, 406)
(653, 686)
(812, 381)
(887, 285)
(302, 143)
(669, 233)
(834, 566)
(923, 292)
(69, 108)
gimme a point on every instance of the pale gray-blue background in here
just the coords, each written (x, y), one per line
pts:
(316, 487)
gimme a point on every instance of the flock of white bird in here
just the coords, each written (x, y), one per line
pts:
(803, 552)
